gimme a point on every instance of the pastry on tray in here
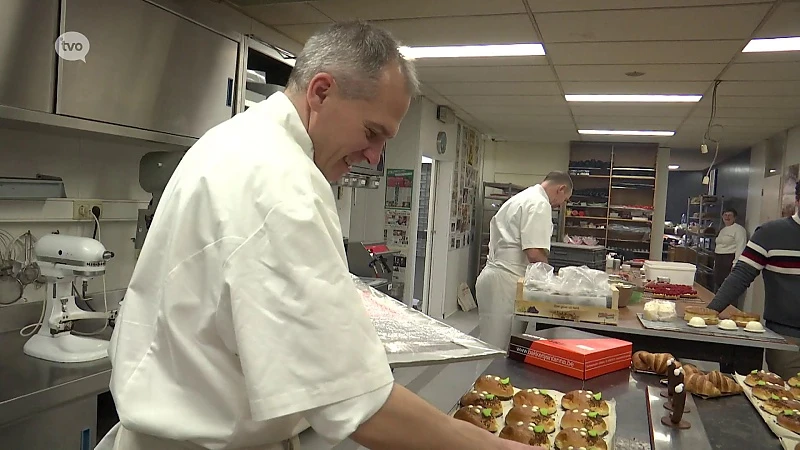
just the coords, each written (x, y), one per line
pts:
(795, 392)
(708, 315)
(742, 318)
(764, 391)
(484, 400)
(690, 368)
(526, 433)
(776, 404)
(725, 384)
(500, 387)
(699, 384)
(790, 419)
(585, 400)
(584, 419)
(576, 438)
(537, 416)
(759, 375)
(794, 381)
(480, 417)
(534, 397)
(651, 362)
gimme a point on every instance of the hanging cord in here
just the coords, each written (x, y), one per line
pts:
(710, 126)
(105, 292)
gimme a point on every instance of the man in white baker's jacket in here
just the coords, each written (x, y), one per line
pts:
(241, 325)
(519, 234)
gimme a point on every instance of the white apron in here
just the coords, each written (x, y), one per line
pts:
(119, 438)
(496, 290)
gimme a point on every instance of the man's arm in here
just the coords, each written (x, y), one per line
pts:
(750, 264)
(407, 422)
(536, 255)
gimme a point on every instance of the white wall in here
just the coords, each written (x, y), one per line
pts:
(91, 169)
(523, 163)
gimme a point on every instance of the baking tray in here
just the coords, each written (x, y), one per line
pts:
(789, 440)
(611, 419)
(681, 326)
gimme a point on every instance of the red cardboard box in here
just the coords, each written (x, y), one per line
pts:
(572, 352)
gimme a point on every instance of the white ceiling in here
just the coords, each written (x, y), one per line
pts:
(682, 46)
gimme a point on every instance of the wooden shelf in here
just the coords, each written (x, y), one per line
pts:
(586, 217)
(591, 176)
(619, 219)
(631, 177)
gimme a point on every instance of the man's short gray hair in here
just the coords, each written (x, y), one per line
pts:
(355, 53)
(557, 177)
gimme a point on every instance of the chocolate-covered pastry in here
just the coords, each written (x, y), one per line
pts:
(480, 417)
(764, 391)
(531, 414)
(776, 404)
(790, 419)
(526, 433)
(759, 375)
(484, 400)
(534, 397)
(672, 379)
(675, 418)
(584, 419)
(576, 438)
(500, 387)
(585, 400)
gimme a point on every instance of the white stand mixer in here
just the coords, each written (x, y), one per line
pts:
(63, 260)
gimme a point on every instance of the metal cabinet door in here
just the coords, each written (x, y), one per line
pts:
(28, 30)
(146, 68)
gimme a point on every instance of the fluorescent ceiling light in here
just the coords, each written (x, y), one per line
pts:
(426, 160)
(627, 133)
(679, 98)
(787, 44)
(673, 167)
(473, 51)
(772, 170)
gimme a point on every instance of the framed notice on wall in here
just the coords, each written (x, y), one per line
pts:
(399, 188)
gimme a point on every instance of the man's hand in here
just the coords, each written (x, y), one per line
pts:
(536, 255)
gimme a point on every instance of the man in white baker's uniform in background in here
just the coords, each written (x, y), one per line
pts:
(241, 324)
(519, 234)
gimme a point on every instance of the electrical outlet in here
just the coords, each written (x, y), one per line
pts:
(82, 209)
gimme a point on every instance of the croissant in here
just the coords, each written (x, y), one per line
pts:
(725, 384)
(690, 368)
(651, 362)
(699, 384)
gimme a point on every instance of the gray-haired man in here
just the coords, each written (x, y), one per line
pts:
(241, 323)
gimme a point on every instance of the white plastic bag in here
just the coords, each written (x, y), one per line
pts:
(539, 277)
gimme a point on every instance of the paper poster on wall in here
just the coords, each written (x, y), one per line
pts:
(788, 198)
(399, 188)
(396, 228)
(398, 275)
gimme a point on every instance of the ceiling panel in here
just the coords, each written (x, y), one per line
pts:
(299, 33)
(559, 122)
(756, 113)
(588, 5)
(636, 87)
(506, 100)
(659, 52)
(483, 62)
(511, 88)
(631, 109)
(380, 10)
(652, 72)
(485, 73)
(758, 88)
(552, 110)
(784, 22)
(675, 24)
(740, 124)
(628, 122)
(764, 71)
(286, 13)
(762, 101)
(768, 57)
(539, 136)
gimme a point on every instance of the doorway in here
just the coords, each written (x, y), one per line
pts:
(423, 223)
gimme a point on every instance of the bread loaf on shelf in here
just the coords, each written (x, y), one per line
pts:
(651, 362)
(699, 384)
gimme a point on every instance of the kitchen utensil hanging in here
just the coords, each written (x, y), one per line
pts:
(30, 272)
(10, 287)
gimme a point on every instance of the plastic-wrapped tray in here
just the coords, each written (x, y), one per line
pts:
(611, 419)
(789, 439)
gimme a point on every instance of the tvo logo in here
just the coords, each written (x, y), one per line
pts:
(72, 46)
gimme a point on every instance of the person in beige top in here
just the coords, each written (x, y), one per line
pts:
(729, 245)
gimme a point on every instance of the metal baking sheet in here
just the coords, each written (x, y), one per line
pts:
(663, 437)
(412, 338)
(682, 326)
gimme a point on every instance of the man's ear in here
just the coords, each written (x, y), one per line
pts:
(319, 90)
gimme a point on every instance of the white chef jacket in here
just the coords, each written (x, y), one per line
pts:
(731, 239)
(524, 221)
(241, 320)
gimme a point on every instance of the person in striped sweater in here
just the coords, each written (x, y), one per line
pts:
(773, 251)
